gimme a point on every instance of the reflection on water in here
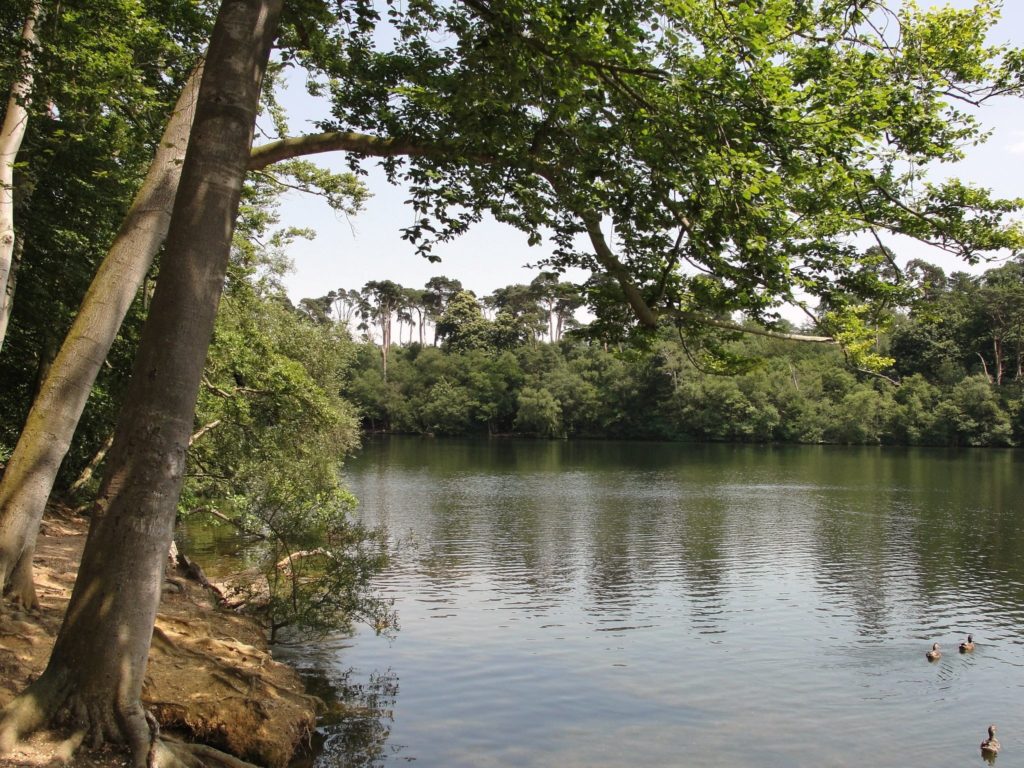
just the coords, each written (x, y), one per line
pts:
(613, 604)
(355, 728)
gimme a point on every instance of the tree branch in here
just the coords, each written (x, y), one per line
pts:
(374, 146)
(335, 141)
(202, 431)
(727, 325)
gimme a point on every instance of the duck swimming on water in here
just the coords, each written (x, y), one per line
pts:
(934, 654)
(967, 645)
(990, 746)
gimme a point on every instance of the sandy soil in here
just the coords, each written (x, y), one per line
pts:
(210, 677)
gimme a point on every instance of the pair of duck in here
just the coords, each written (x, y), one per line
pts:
(965, 647)
(990, 746)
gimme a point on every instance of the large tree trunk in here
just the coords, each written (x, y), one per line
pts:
(11, 134)
(96, 669)
(51, 422)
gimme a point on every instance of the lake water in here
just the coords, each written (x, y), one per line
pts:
(570, 604)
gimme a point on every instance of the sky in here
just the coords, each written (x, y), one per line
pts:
(350, 251)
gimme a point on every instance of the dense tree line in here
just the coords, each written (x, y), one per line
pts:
(953, 377)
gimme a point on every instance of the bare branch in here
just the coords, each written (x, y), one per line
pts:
(202, 431)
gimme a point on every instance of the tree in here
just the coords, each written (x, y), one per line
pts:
(58, 406)
(462, 325)
(346, 306)
(274, 434)
(520, 303)
(98, 661)
(103, 78)
(974, 412)
(12, 131)
(416, 301)
(383, 298)
(567, 300)
(438, 292)
(319, 309)
(797, 123)
(1001, 303)
(928, 280)
(97, 100)
(559, 299)
(446, 410)
(539, 413)
(46, 436)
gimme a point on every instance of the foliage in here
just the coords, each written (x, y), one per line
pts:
(462, 327)
(733, 148)
(107, 75)
(538, 413)
(315, 562)
(272, 433)
(943, 386)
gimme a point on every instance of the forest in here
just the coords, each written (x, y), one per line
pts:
(518, 362)
(705, 163)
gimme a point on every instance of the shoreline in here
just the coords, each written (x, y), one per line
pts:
(210, 678)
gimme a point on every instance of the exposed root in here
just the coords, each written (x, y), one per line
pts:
(209, 678)
(154, 739)
(67, 748)
(21, 589)
(27, 713)
(163, 641)
(171, 753)
(96, 718)
(18, 635)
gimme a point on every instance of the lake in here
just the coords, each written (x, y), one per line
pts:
(570, 604)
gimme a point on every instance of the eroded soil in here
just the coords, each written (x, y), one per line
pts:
(210, 679)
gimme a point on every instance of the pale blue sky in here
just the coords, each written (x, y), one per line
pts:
(347, 253)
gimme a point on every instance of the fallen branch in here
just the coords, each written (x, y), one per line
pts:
(287, 562)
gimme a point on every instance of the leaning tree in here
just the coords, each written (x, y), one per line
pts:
(95, 672)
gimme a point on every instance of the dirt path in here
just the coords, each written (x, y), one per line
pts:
(210, 677)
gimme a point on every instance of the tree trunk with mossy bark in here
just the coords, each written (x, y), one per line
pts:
(50, 427)
(96, 669)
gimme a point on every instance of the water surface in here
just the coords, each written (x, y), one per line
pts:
(622, 604)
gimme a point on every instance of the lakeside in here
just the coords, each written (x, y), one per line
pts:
(210, 677)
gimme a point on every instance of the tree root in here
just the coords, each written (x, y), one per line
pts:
(69, 747)
(171, 753)
(39, 705)
(21, 589)
(27, 713)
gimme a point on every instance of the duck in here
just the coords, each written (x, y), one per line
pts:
(934, 654)
(990, 746)
(967, 645)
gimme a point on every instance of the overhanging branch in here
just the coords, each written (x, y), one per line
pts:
(727, 325)
(338, 141)
(375, 146)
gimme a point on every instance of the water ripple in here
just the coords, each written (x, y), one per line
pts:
(575, 605)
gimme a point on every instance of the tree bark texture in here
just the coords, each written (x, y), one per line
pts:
(96, 669)
(11, 134)
(62, 396)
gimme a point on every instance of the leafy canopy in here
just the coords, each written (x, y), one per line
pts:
(708, 156)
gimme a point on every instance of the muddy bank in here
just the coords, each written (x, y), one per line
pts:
(210, 678)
